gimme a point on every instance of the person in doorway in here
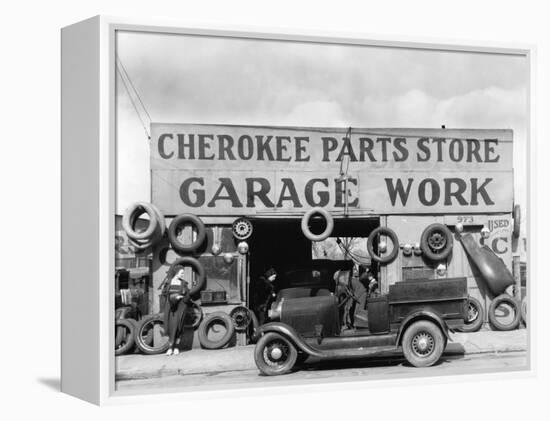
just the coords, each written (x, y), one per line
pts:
(370, 282)
(352, 289)
(175, 307)
(263, 291)
(359, 291)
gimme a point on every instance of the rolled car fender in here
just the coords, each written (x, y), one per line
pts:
(423, 315)
(291, 334)
(493, 270)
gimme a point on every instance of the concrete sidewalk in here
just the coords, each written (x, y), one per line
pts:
(137, 366)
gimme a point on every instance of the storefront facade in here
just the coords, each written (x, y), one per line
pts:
(403, 179)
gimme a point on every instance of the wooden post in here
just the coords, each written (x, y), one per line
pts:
(517, 277)
(187, 237)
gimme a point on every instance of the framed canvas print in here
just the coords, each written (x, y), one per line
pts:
(246, 209)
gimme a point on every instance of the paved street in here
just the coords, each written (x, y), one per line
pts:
(371, 369)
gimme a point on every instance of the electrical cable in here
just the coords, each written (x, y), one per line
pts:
(133, 103)
(134, 88)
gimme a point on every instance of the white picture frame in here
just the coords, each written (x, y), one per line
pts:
(88, 196)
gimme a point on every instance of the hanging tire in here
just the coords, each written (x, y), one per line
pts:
(475, 316)
(274, 354)
(524, 310)
(423, 343)
(513, 320)
(209, 322)
(156, 221)
(178, 221)
(517, 221)
(241, 318)
(436, 242)
(388, 232)
(328, 229)
(200, 279)
(145, 335)
(126, 343)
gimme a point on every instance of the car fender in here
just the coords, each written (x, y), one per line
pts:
(423, 315)
(291, 334)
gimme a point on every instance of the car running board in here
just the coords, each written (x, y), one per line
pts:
(344, 353)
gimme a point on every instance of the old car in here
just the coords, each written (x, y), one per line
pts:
(415, 316)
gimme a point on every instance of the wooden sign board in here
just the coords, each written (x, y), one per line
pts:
(244, 170)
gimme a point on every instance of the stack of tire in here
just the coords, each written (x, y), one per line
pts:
(132, 335)
(125, 328)
(142, 241)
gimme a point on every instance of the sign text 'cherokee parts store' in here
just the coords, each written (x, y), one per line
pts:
(235, 170)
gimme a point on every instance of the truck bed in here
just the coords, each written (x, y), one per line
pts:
(448, 297)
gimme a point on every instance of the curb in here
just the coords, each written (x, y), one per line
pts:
(201, 361)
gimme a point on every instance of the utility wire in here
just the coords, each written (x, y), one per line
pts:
(134, 88)
(133, 102)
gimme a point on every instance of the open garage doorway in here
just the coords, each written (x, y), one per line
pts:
(281, 244)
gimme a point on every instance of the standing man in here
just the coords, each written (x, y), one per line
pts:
(262, 292)
(370, 282)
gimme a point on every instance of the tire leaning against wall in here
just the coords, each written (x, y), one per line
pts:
(504, 298)
(524, 311)
(474, 325)
(220, 317)
(128, 339)
(144, 340)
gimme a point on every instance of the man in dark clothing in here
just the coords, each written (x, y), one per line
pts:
(262, 291)
(370, 283)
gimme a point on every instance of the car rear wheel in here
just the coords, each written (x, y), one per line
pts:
(274, 354)
(423, 343)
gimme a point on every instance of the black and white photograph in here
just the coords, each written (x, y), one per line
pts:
(291, 210)
(295, 211)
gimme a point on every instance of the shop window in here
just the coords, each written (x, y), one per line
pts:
(221, 276)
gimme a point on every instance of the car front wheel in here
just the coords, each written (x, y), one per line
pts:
(423, 343)
(274, 354)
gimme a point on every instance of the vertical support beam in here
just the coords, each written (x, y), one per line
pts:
(384, 280)
(186, 237)
(517, 277)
